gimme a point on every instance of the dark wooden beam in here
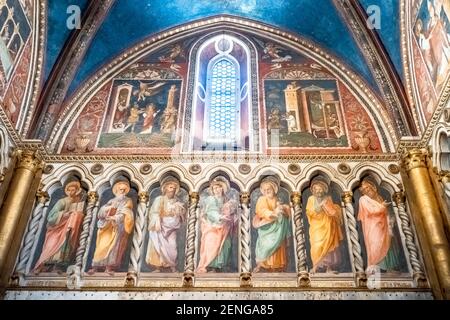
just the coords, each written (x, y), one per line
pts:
(65, 68)
(381, 65)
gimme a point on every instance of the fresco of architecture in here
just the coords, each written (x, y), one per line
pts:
(219, 217)
(305, 113)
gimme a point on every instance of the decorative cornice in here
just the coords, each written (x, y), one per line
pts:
(380, 64)
(65, 68)
(188, 158)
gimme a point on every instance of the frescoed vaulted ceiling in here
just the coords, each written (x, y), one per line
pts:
(58, 33)
(382, 57)
(130, 21)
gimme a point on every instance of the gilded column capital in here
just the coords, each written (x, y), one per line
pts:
(143, 197)
(194, 197)
(415, 158)
(29, 159)
(296, 197)
(347, 197)
(245, 198)
(42, 196)
(444, 176)
(399, 197)
(92, 197)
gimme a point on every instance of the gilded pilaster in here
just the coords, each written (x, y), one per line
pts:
(415, 165)
(27, 165)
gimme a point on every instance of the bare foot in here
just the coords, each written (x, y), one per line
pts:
(257, 269)
(173, 269)
(91, 271)
(37, 271)
(156, 270)
(110, 271)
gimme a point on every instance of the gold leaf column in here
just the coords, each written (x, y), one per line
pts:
(428, 213)
(12, 218)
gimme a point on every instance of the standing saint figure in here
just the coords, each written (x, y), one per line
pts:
(325, 232)
(166, 215)
(63, 229)
(377, 226)
(115, 223)
(150, 115)
(273, 225)
(218, 216)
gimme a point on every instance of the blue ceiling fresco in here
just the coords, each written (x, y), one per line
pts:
(58, 32)
(131, 21)
(389, 29)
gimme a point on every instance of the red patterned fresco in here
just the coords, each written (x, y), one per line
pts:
(358, 123)
(14, 94)
(84, 133)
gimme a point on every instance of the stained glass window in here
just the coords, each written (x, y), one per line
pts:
(222, 106)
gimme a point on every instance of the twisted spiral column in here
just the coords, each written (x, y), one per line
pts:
(361, 278)
(188, 276)
(400, 208)
(303, 279)
(91, 210)
(74, 271)
(30, 238)
(138, 239)
(245, 276)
